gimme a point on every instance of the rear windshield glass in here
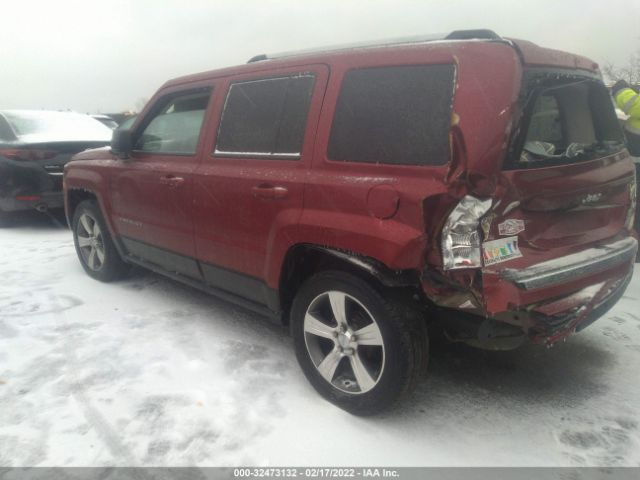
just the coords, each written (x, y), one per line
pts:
(395, 115)
(568, 123)
(56, 126)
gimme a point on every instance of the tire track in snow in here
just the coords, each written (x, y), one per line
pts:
(94, 418)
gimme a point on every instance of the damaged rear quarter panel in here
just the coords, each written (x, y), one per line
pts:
(336, 213)
(485, 104)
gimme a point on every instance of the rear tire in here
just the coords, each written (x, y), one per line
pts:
(361, 349)
(94, 246)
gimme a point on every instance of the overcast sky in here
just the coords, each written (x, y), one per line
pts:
(106, 56)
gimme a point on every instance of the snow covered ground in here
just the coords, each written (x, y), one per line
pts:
(148, 372)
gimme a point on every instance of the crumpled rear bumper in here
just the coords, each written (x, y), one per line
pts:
(552, 299)
(581, 264)
(550, 329)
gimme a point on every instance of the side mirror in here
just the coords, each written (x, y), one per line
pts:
(121, 143)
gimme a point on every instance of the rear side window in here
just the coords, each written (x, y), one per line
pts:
(266, 117)
(175, 127)
(395, 115)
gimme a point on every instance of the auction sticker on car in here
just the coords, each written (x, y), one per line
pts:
(501, 250)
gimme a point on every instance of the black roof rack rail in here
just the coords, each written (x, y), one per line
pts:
(477, 34)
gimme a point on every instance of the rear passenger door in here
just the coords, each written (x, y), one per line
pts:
(382, 148)
(248, 192)
(152, 190)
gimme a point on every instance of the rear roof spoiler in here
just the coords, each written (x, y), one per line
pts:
(480, 34)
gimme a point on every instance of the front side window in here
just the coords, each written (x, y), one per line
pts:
(265, 117)
(175, 128)
(394, 115)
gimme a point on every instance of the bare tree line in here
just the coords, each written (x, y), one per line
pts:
(630, 71)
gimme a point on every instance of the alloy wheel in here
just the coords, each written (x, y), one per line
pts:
(90, 242)
(344, 342)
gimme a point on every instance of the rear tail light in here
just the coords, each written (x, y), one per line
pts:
(28, 198)
(460, 235)
(25, 155)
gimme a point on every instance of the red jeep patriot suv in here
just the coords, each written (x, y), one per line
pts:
(356, 194)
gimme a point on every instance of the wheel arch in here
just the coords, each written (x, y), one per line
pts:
(73, 198)
(304, 260)
(76, 195)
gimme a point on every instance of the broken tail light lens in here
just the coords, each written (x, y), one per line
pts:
(631, 213)
(461, 236)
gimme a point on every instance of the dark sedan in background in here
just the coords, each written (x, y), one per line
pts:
(34, 147)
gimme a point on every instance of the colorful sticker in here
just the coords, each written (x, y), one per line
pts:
(512, 226)
(500, 250)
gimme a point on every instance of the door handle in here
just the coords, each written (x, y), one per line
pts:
(269, 191)
(172, 181)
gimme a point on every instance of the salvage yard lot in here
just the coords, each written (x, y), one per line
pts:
(148, 372)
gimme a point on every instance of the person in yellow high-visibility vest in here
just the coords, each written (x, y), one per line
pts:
(628, 100)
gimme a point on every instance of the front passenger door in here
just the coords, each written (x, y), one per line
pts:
(152, 190)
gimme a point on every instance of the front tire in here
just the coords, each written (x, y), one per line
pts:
(94, 246)
(361, 349)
